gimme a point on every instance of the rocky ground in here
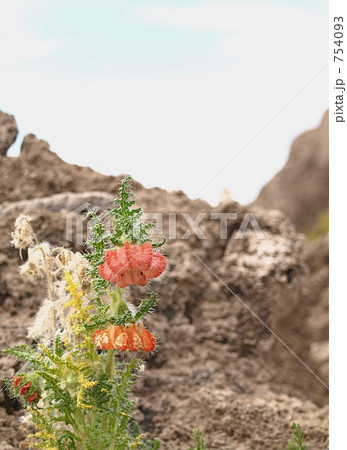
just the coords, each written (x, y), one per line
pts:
(218, 366)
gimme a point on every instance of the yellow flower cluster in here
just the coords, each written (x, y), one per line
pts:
(80, 314)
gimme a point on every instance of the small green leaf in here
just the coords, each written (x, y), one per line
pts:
(299, 437)
(146, 306)
(199, 440)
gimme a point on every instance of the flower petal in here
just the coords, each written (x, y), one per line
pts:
(124, 279)
(148, 340)
(117, 259)
(122, 341)
(157, 267)
(144, 259)
(118, 337)
(134, 339)
(102, 340)
(106, 273)
(140, 277)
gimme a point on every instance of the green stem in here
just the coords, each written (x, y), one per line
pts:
(80, 423)
(110, 364)
(104, 425)
(109, 370)
(127, 374)
(118, 305)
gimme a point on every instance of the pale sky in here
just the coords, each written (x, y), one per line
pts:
(167, 91)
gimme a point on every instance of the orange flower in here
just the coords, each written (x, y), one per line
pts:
(17, 381)
(115, 337)
(101, 340)
(33, 397)
(132, 264)
(122, 338)
(140, 339)
(148, 340)
(119, 337)
(26, 388)
(135, 341)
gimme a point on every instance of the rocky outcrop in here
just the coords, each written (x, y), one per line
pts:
(8, 132)
(38, 172)
(301, 188)
(68, 201)
(227, 296)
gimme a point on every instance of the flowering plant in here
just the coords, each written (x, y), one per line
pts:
(87, 339)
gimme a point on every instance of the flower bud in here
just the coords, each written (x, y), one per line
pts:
(26, 388)
(33, 397)
(17, 381)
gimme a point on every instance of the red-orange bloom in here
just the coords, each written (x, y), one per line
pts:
(33, 397)
(26, 388)
(115, 337)
(17, 381)
(101, 340)
(118, 336)
(135, 341)
(148, 340)
(122, 338)
(132, 264)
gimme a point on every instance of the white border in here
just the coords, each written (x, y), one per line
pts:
(338, 248)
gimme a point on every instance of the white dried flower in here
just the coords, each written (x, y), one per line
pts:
(23, 235)
(26, 419)
(62, 313)
(35, 267)
(60, 261)
(43, 323)
(77, 266)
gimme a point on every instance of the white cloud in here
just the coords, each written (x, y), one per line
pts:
(178, 130)
(19, 42)
(208, 16)
(176, 133)
(225, 16)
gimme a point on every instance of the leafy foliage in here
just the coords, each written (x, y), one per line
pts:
(97, 256)
(25, 353)
(103, 320)
(199, 440)
(321, 228)
(298, 438)
(126, 225)
(126, 219)
(146, 307)
(84, 395)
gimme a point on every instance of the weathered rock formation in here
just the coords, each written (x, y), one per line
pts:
(8, 132)
(301, 188)
(223, 299)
